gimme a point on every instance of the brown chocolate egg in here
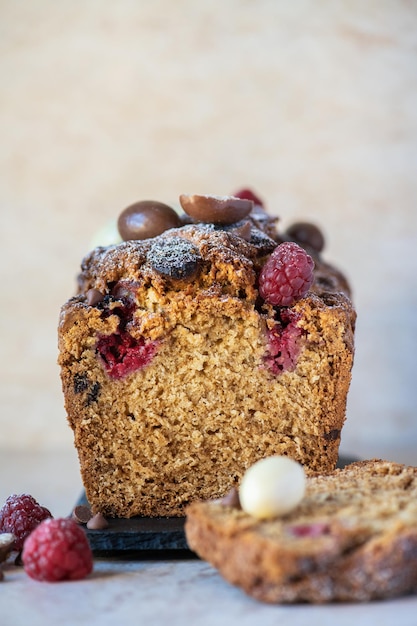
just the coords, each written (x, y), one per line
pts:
(306, 234)
(146, 219)
(216, 209)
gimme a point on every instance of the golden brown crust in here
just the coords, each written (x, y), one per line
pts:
(218, 248)
(353, 538)
(207, 405)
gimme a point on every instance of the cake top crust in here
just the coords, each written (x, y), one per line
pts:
(225, 257)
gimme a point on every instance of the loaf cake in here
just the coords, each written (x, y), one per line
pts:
(178, 372)
(353, 537)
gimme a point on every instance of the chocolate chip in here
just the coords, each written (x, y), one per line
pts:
(97, 522)
(147, 219)
(231, 499)
(216, 209)
(93, 393)
(306, 234)
(94, 296)
(174, 257)
(81, 383)
(82, 514)
(332, 435)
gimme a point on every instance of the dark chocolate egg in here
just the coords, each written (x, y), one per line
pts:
(216, 209)
(306, 234)
(146, 219)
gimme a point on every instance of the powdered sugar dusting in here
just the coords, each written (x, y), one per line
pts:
(175, 257)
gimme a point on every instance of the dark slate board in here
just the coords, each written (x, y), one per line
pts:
(146, 537)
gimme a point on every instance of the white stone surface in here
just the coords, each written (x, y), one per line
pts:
(172, 592)
(153, 592)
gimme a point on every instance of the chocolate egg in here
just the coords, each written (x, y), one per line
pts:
(216, 209)
(306, 234)
(146, 219)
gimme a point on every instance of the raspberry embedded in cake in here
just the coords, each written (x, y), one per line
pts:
(284, 343)
(313, 530)
(122, 354)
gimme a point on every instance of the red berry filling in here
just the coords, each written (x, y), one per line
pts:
(122, 354)
(284, 343)
(317, 529)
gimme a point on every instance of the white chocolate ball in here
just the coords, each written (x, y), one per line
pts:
(272, 487)
(107, 235)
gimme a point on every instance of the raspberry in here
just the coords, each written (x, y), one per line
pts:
(56, 550)
(122, 354)
(284, 343)
(287, 275)
(247, 194)
(314, 530)
(19, 515)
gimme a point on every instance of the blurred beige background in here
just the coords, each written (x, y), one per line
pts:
(312, 104)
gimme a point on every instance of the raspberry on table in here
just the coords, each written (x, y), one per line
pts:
(20, 515)
(57, 550)
(287, 275)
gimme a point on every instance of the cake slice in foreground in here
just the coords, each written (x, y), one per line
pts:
(352, 538)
